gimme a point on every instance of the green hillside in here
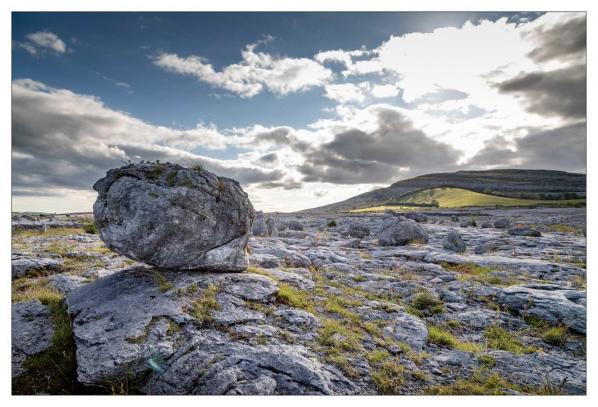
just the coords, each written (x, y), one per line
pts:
(456, 198)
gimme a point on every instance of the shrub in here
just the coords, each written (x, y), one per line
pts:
(331, 223)
(389, 378)
(556, 336)
(90, 228)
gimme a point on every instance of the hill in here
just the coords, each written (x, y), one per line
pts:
(509, 183)
(458, 198)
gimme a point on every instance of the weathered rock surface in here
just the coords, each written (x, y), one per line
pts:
(32, 331)
(402, 232)
(454, 242)
(22, 266)
(128, 323)
(409, 329)
(549, 303)
(259, 225)
(502, 223)
(174, 218)
(358, 230)
(272, 227)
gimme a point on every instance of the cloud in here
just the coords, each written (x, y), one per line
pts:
(355, 156)
(288, 184)
(385, 91)
(64, 140)
(560, 92)
(43, 41)
(560, 40)
(256, 72)
(346, 92)
(563, 148)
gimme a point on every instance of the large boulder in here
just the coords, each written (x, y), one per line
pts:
(174, 218)
(454, 242)
(409, 329)
(401, 232)
(294, 225)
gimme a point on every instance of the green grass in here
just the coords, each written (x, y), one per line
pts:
(477, 384)
(498, 338)
(204, 305)
(442, 337)
(22, 233)
(472, 271)
(426, 302)
(457, 198)
(556, 336)
(293, 297)
(389, 377)
(24, 289)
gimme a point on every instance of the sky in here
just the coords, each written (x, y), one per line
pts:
(303, 109)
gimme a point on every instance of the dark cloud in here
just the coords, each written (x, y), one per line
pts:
(562, 42)
(355, 157)
(67, 141)
(269, 158)
(290, 184)
(560, 92)
(563, 148)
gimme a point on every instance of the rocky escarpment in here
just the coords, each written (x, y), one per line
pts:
(173, 217)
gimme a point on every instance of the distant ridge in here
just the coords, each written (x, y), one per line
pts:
(515, 183)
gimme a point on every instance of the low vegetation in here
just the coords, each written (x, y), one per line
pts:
(202, 307)
(443, 337)
(498, 338)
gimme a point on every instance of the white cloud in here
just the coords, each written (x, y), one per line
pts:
(347, 92)
(254, 73)
(43, 40)
(385, 91)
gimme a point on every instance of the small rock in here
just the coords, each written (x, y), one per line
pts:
(503, 223)
(454, 242)
(524, 232)
(400, 233)
(358, 230)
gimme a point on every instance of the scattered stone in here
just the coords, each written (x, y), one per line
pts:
(259, 225)
(503, 223)
(454, 242)
(32, 331)
(400, 233)
(358, 230)
(524, 232)
(409, 329)
(294, 225)
(174, 218)
(25, 266)
(486, 225)
(417, 216)
(271, 227)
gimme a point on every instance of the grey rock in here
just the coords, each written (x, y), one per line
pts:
(524, 232)
(259, 225)
(358, 230)
(294, 225)
(454, 242)
(409, 329)
(66, 283)
(121, 323)
(31, 332)
(297, 318)
(539, 369)
(417, 216)
(174, 218)
(503, 223)
(271, 226)
(467, 223)
(400, 233)
(485, 248)
(25, 266)
(486, 225)
(556, 306)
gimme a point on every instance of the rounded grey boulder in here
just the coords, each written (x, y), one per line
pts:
(454, 242)
(259, 224)
(402, 232)
(174, 218)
